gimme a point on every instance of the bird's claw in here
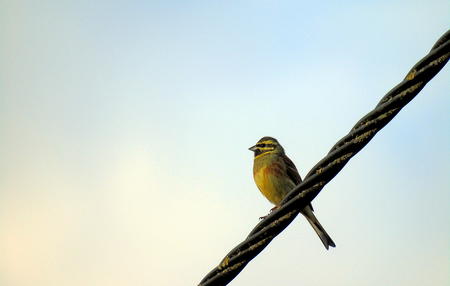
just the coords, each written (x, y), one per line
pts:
(271, 210)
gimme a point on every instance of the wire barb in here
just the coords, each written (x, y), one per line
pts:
(324, 171)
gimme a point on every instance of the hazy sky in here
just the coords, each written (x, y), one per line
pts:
(125, 125)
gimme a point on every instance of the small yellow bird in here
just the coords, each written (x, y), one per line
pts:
(276, 175)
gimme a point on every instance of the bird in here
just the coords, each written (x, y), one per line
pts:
(275, 176)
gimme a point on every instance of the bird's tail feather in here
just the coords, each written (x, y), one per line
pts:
(323, 235)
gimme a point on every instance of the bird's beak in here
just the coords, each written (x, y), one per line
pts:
(253, 148)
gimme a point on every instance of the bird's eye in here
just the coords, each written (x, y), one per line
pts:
(262, 145)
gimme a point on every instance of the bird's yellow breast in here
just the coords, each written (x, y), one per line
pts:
(269, 177)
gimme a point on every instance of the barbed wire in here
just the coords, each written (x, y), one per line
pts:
(322, 173)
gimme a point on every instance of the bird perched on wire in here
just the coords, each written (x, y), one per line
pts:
(276, 175)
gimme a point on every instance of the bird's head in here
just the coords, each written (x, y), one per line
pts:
(266, 145)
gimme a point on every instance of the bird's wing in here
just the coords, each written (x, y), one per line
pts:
(293, 173)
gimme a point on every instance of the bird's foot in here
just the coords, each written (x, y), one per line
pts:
(271, 210)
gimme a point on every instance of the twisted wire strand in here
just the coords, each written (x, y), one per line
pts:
(322, 173)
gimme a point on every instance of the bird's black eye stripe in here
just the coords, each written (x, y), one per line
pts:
(261, 145)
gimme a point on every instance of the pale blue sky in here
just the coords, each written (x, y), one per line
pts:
(125, 128)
